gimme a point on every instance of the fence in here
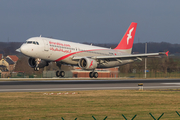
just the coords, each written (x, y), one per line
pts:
(133, 116)
(51, 74)
(151, 75)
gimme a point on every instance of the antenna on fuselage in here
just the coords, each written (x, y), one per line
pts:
(40, 36)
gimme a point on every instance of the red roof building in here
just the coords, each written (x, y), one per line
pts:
(14, 58)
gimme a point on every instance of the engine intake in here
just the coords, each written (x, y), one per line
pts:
(87, 63)
(42, 63)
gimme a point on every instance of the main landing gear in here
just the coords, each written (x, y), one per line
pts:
(93, 74)
(60, 73)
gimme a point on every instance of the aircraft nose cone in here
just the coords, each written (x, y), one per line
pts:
(23, 49)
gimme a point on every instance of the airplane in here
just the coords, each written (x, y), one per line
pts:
(41, 51)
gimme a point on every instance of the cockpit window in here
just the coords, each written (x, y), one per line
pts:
(29, 42)
(32, 42)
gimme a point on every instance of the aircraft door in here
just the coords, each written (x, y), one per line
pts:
(46, 50)
(46, 45)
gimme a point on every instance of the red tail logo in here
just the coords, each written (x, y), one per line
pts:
(128, 39)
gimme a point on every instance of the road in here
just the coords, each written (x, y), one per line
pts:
(75, 85)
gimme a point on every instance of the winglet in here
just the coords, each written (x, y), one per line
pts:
(128, 38)
(167, 53)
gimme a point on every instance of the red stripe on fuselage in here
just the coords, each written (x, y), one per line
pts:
(64, 57)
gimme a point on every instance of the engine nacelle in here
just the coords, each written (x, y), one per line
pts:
(41, 64)
(87, 63)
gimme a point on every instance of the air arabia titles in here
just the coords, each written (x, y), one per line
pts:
(55, 45)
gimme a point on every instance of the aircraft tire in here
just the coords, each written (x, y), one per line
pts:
(57, 73)
(36, 69)
(91, 74)
(62, 73)
(95, 74)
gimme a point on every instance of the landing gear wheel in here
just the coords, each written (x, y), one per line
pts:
(57, 73)
(91, 74)
(36, 69)
(95, 74)
(60, 73)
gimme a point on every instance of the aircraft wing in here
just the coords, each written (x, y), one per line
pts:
(130, 56)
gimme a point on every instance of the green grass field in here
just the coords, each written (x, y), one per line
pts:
(85, 104)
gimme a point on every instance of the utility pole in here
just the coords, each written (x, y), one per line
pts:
(145, 59)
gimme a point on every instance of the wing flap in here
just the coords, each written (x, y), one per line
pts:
(122, 56)
(127, 56)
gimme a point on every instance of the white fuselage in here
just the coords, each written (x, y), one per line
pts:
(63, 51)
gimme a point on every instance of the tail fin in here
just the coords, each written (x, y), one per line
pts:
(126, 42)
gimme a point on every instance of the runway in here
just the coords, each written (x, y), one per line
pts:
(75, 85)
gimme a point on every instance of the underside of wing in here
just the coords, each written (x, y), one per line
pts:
(124, 57)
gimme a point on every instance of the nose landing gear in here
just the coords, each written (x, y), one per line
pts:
(37, 60)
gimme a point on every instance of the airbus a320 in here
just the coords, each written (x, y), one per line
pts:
(42, 51)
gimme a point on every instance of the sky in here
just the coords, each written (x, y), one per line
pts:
(90, 21)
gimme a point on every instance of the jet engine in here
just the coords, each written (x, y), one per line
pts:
(87, 63)
(41, 63)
